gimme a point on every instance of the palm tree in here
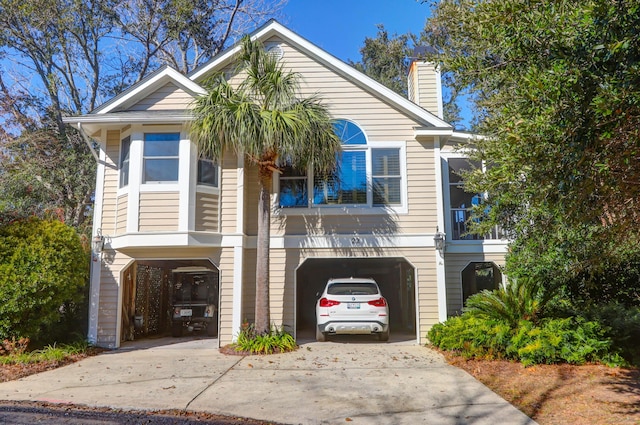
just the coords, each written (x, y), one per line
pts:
(266, 121)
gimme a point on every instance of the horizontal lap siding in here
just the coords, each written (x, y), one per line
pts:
(158, 211)
(284, 263)
(249, 285)
(226, 296)
(121, 215)
(109, 288)
(229, 193)
(455, 263)
(207, 207)
(168, 97)
(110, 189)
(381, 122)
(252, 193)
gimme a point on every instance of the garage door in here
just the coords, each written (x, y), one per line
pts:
(395, 276)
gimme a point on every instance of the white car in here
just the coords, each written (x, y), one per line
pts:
(352, 306)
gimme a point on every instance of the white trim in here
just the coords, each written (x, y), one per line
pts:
(239, 196)
(96, 258)
(350, 241)
(429, 132)
(441, 282)
(238, 267)
(135, 178)
(274, 28)
(186, 184)
(486, 246)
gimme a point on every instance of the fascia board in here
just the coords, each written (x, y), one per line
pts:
(273, 28)
(128, 118)
(147, 85)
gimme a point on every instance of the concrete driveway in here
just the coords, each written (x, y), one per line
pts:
(351, 380)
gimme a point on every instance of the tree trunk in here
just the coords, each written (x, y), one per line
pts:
(262, 320)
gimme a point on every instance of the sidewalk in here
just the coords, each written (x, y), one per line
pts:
(357, 382)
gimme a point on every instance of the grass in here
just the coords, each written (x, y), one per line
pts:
(49, 353)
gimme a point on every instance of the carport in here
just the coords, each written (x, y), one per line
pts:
(395, 276)
(147, 295)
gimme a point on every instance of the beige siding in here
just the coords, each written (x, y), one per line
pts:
(109, 287)
(207, 207)
(455, 263)
(158, 211)
(285, 262)
(249, 285)
(229, 193)
(423, 86)
(168, 97)
(121, 214)
(226, 296)
(112, 150)
(381, 122)
(251, 194)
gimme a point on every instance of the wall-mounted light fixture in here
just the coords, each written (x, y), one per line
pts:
(439, 240)
(97, 242)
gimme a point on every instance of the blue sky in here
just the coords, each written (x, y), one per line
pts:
(340, 26)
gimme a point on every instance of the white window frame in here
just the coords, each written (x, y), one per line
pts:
(207, 188)
(183, 158)
(341, 209)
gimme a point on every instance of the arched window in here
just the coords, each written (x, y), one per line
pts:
(368, 175)
(479, 276)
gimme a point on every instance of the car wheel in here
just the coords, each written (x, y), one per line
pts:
(320, 336)
(176, 329)
(384, 336)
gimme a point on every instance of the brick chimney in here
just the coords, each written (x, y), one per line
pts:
(425, 88)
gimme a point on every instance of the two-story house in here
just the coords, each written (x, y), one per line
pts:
(159, 208)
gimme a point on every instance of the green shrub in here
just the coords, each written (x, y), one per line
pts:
(43, 269)
(570, 340)
(520, 299)
(276, 341)
(471, 336)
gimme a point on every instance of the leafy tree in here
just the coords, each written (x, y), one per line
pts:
(264, 120)
(43, 268)
(556, 87)
(65, 57)
(557, 90)
(386, 58)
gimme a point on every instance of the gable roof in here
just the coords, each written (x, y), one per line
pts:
(274, 28)
(147, 85)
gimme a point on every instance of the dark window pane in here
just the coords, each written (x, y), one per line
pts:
(207, 172)
(461, 199)
(124, 161)
(161, 170)
(293, 192)
(457, 165)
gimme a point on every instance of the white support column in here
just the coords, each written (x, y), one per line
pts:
(96, 257)
(238, 250)
(440, 258)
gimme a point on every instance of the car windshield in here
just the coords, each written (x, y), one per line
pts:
(351, 288)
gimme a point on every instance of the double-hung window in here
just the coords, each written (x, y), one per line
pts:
(367, 175)
(161, 157)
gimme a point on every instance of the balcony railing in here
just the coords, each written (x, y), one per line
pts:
(459, 227)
